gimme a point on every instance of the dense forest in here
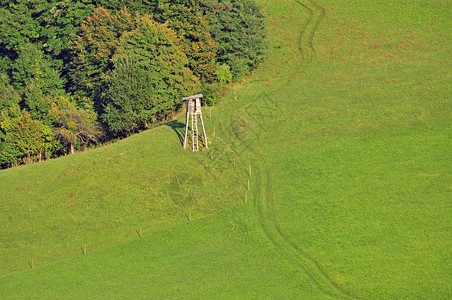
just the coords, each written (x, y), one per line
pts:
(83, 72)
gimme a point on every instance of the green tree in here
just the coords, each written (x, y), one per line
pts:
(239, 29)
(60, 23)
(149, 78)
(37, 80)
(18, 26)
(8, 95)
(32, 67)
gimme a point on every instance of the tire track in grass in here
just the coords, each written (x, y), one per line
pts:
(306, 38)
(263, 193)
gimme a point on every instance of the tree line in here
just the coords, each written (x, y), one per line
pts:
(79, 72)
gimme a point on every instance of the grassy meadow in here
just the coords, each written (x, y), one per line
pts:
(347, 129)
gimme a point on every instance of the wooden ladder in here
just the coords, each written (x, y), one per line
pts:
(194, 129)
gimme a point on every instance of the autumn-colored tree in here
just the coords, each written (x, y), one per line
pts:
(23, 137)
(193, 31)
(94, 47)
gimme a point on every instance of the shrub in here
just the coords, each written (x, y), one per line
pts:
(223, 75)
(213, 91)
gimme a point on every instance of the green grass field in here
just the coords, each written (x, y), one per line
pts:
(347, 127)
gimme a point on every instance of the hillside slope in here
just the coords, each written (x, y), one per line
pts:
(100, 198)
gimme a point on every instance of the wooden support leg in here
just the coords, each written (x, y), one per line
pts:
(204, 131)
(186, 129)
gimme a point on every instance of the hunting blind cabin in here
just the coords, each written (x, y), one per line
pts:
(193, 110)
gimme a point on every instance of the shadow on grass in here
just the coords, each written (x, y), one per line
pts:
(179, 128)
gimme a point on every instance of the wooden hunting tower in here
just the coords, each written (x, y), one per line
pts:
(193, 110)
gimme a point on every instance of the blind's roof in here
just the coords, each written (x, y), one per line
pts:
(193, 97)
